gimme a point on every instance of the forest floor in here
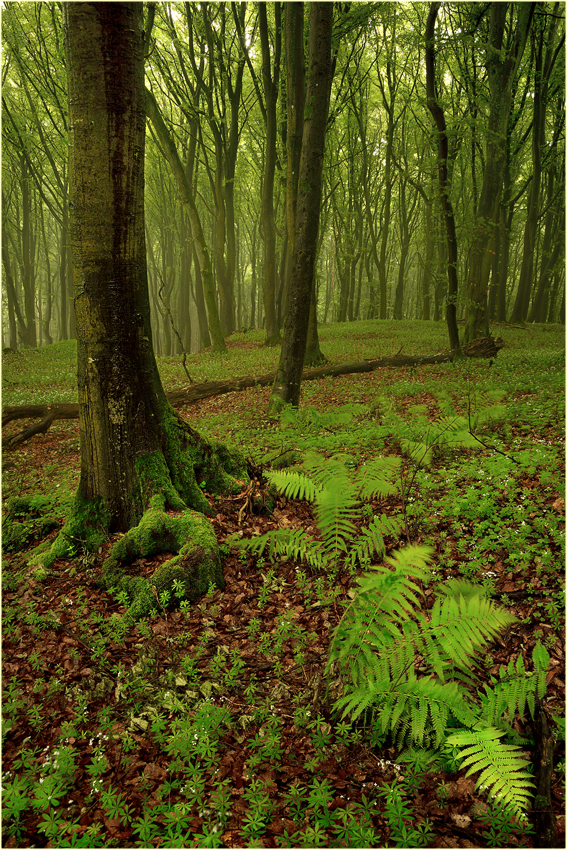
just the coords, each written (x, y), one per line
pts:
(213, 725)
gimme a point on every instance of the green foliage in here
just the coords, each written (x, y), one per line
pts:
(337, 494)
(398, 813)
(502, 766)
(415, 669)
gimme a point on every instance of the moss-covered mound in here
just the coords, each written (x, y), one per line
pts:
(189, 535)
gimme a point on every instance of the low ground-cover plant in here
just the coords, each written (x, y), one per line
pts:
(415, 670)
(338, 495)
(146, 772)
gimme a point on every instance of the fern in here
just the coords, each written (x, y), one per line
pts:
(516, 688)
(371, 539)
(293, 543)
(337, 494)
(416, 669)
(293, 484)
(376, 478)
(502, 766)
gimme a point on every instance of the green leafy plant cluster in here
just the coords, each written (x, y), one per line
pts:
(338, 495)
(27, 519)
(414, 670)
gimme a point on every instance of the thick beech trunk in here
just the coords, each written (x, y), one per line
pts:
(136, 453)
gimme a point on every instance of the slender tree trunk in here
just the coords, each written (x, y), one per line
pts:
(444, 188)
(16, 319)
(287, 384)
(196, 229)
(28, 276)
(295, 100)
(268, 216)
(543, 67)
(502, 66)
(427, 279)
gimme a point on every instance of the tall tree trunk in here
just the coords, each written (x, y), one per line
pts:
(502, 65)
(28, 271)
(271, 83)
(444, 188)
(138, 457)
(427, 279)
(196, 229)
(287, 384)
(543, 68)
(15, 317)
(132, 441)
(295, 100)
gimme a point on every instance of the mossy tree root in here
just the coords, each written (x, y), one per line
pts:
(195, 565)
(170, 479)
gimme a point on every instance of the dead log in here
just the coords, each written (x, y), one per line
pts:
(48, 413)
(485, 347)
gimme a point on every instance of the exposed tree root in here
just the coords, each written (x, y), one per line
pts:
(48, 413)
(543, 816)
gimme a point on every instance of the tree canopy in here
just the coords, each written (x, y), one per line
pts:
(219, 167)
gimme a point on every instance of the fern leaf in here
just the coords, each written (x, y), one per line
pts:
(502, 766)
(293, 484)
(336, 510)
(420, 453)
(294, 543)
(460, 628)
(375, 479)
(459, 587)
(515, 688)
(371, 540)
(541, 659)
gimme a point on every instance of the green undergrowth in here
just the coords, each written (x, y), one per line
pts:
(433, 503)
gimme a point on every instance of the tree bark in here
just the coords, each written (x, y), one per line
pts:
(502, 65)
(442, 162)
(187, 197)
(268, 216)
(319, 77)
(543, 815)
(136, 453)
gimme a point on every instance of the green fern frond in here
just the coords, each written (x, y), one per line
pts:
(459, 627)
(420, 453)
(541, 659)
(516, 687)
(456, 587)
(370, 542)
(418, 703)
(291, 542)
(375, 479)
(336, 511)
(502, 766)
(323, 470)
(293, 484)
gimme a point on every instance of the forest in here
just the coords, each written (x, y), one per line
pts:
(222, 76)
(283, 470)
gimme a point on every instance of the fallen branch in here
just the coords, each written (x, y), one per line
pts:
(48, 413)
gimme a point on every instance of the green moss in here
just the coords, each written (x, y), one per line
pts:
(196, 563)
(193, 460)
(84, 529)
(22, 505)
(154, 480)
